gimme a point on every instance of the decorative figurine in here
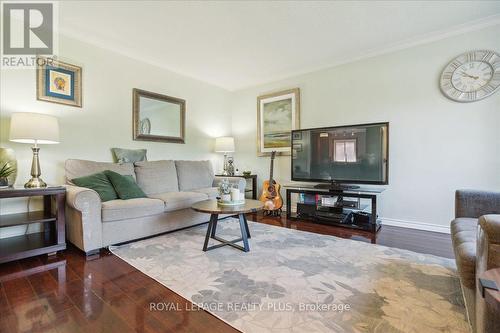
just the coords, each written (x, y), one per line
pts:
(230, 167)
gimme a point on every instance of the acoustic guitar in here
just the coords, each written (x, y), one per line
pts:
(271, 191)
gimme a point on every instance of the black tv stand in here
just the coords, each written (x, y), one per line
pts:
(349, 209)
(333, 186)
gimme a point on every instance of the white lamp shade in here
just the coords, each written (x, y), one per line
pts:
(224, 144)
(37, 128)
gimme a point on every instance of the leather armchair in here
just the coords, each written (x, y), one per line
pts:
(475, 233)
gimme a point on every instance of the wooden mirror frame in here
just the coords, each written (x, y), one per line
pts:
(136, 119)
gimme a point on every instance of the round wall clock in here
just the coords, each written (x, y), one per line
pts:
(471, 76)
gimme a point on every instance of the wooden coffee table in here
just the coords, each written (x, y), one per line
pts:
(213, 208)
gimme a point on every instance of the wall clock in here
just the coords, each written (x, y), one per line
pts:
(471, 76)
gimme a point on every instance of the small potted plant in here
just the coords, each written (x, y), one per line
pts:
(5, 171)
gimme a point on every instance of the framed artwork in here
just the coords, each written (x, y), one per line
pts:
(157, 117)
(59, 82)
(277, 115)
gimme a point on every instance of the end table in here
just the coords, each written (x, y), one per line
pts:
(489, 289)
(51, 240)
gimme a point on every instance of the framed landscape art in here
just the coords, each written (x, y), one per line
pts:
(277, 115)
(59, 82)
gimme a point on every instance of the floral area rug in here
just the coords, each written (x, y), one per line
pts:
(295, 281)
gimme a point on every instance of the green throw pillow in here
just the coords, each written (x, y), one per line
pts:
(98, 182)
(125, 186)
(129, 155)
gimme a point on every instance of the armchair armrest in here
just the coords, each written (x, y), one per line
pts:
(469, 203)
(238, 182)
(83, 218)
(491, 227)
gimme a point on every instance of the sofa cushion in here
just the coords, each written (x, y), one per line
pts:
(80, 168)
(212, 192)
(179, 200)
(98, 182)
(156, 177)
(463, 235)
(116, 210)
(194, 175)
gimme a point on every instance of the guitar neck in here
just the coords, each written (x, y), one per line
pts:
(271, 168)
(271, 171)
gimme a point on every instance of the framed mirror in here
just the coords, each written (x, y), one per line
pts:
(158, 117)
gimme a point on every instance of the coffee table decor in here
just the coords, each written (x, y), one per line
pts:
(214, 208)
(229, 195)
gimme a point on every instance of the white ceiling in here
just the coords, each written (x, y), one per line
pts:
(243, 43)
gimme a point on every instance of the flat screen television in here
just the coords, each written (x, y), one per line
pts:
(355, 154)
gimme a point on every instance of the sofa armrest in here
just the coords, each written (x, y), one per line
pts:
(238, 182)
(83, 218)
(469, 203)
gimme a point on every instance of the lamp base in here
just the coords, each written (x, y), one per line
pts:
(35, 182)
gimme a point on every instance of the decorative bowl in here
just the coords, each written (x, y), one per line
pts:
(230, 203)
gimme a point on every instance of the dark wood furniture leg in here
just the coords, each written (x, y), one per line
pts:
(254, 188)
(61, 225)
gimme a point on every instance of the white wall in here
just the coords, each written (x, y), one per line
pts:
(105, 121)
(436, 145)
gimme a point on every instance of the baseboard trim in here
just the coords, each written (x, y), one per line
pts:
(416, 225)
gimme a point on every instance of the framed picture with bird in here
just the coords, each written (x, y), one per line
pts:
(58, 82)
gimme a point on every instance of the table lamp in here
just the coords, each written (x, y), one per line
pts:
(224, 144)
(36, 129)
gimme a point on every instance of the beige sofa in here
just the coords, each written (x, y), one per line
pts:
(475, 233)
(171, 186)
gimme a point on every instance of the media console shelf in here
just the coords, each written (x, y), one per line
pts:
(49, 241)
(354, 208)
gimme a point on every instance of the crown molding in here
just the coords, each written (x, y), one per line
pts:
(460, 29)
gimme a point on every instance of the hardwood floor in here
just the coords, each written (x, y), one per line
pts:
(67, 293)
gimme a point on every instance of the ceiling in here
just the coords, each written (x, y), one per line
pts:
(237, 44)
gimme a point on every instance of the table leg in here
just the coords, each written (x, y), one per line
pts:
(213, 218)
(214, 226)
(254, 188)
(61, 225)
(244, 232)
(246, 226)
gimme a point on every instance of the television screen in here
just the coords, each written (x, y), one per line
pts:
(344, 154)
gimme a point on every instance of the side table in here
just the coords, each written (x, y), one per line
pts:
(51, 240)
(489, 286)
